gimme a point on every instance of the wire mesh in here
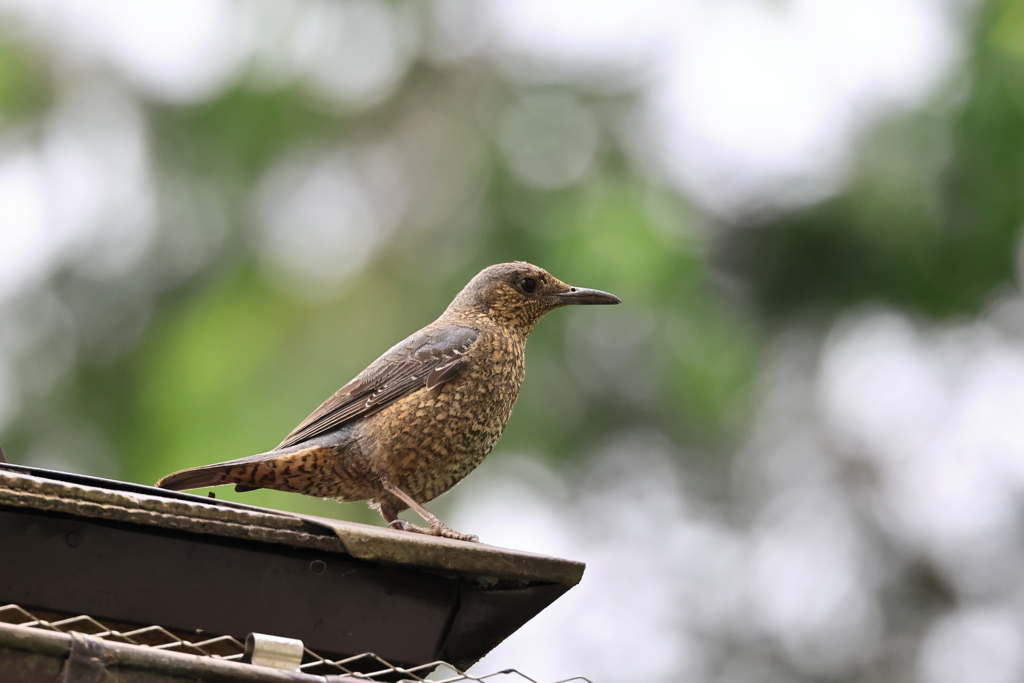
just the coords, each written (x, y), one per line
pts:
(367, 666)
(157, 637)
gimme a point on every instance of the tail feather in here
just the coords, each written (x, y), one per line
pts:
(240, 471)
(199, 477)
(291, 470)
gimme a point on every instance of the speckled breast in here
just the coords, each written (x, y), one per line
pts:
(447, 431)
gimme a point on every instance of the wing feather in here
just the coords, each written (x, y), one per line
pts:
(425, 360)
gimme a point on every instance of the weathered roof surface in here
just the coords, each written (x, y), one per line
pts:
(142, 556)
(96, 498)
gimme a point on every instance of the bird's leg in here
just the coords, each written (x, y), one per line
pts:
(391, 517)
(437, 527)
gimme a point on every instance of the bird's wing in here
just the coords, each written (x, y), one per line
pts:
(425, 360)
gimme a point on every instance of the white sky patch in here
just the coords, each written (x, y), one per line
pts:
(317, 224)
(748, 103)
(177, 50)
(937, 413)
(350, 52)
(809, 591)
(632, 576)
(96, 152)
(582, 33)
(25, 215)
(84, 188)
(981, 645)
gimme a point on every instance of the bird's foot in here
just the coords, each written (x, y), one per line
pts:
(438, 529)
(444, 531)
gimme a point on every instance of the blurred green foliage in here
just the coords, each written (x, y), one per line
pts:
(931, 219)
(233, 356)
(24, 84)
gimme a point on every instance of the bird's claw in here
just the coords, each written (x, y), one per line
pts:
(439, 529)
(444, 531)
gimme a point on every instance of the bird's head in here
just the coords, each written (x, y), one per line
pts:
(519, 294)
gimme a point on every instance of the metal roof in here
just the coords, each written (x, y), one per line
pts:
(86, 496)
(134, 554)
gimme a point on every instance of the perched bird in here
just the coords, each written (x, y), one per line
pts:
(422, 416)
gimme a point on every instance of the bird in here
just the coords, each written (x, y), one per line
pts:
(421, 417)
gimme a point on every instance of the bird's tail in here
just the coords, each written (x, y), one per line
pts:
(288, 471)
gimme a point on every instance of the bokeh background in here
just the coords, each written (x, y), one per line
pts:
(794, 453)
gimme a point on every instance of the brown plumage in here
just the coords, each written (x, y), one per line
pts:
(420, 417)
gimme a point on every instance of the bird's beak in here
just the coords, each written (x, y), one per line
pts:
(579, 295)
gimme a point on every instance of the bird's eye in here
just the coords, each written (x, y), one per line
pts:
(528, 284)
